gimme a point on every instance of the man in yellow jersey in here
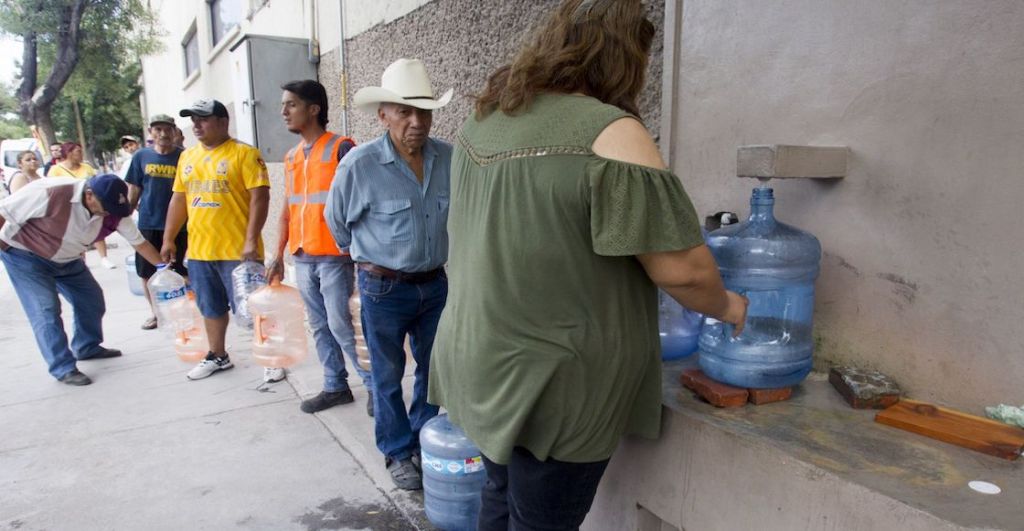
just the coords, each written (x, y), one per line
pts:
(222, 186)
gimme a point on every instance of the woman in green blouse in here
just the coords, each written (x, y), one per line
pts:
(563, 223)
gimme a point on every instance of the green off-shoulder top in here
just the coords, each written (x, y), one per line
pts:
(549, 340)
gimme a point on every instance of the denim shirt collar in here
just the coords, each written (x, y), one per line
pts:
(389, 154)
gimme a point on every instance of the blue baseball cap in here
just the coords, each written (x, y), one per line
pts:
(112, 193)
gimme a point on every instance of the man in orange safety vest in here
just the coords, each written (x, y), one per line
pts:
(325, 274)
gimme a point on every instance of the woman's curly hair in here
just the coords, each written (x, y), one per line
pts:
(595, 47)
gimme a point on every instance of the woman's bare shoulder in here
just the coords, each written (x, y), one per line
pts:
(627, 140)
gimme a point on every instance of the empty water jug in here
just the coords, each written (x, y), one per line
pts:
(279, 331)
(355, 307)
(775, 266)
(190, 341)
(134, 280)
(245, 280)
(678, 327)
(453, 474)
(165, 287)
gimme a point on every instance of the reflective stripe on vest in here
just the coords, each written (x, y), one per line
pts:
(308, 182)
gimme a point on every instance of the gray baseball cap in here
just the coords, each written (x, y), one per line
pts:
(204, 108)
(161, 119)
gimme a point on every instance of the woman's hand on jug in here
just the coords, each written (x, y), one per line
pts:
(736, 311)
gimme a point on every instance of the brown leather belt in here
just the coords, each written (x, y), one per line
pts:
(391, 274)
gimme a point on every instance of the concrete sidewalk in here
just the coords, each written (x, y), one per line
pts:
(144, 448)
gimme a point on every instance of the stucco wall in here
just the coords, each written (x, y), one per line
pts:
(461, 42)
(921, 270)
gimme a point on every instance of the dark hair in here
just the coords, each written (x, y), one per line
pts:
(312, 93)
(596, 47)
(67, 147)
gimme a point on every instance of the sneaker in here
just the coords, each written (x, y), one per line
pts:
(209, 366)
(273, 374)
(104, 353)
(326, 400)
(417, 460)
(150, 324)
(105, 262)
(369, 403)
(404, 474)
(75, 377)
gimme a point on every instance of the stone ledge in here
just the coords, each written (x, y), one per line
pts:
(811, 462)
(791, 162)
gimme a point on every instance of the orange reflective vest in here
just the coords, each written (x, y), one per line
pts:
(308, 180)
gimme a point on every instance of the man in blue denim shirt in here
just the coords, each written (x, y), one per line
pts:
(388, 205)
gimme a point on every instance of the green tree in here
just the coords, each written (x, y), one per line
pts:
(11, 125)
(85, 49)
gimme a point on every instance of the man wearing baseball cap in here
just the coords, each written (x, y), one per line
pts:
(150, 177)
(130, 144)
(222, 187)
(44, 230)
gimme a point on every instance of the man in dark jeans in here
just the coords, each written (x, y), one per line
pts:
(388, 205)
(150, 177)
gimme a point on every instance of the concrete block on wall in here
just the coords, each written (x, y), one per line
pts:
(788, 162)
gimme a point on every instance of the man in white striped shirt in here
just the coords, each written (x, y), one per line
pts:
(44, 231)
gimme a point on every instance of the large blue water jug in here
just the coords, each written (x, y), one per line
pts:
(678, 327)
(453, 474)
(775, 266)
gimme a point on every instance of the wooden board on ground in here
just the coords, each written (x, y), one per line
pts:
(976, 433)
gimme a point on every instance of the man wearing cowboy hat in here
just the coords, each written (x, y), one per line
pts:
(388, 205)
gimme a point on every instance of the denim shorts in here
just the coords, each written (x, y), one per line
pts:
(211, 280)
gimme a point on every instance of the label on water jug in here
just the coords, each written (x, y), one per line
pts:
(170, 295)
(453, 467)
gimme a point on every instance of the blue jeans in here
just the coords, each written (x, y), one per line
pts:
(326, 287)
(391, 310)
(37, 281)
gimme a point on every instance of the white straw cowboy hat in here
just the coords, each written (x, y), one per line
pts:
(404, 81)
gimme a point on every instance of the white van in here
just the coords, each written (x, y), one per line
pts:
(9, 150)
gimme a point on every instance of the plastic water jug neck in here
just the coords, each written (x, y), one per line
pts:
(762, 202)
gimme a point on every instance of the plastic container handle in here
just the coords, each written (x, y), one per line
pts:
(257, 322)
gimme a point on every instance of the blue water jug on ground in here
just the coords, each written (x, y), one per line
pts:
(775, 266)
(678, 328)
(453, 474)
(134, 280)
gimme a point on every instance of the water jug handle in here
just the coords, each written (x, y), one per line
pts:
(257, 322)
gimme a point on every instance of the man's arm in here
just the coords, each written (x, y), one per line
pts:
(276, 267)
(149, 252)
(336, 209)
(177, 212)
(134, 193)
(259, 204)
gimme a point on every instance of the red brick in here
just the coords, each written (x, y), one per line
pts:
(767, 396)
(718, 394)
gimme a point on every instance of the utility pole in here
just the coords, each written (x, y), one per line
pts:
(81, 133)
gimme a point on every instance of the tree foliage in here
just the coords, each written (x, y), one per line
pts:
(103, 49)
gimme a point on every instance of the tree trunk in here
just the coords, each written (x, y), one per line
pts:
(35, 102)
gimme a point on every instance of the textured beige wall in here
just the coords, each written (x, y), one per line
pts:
(921, 273)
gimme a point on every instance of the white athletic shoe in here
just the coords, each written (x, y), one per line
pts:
(107, 263)
(209, 366)
(273, 374)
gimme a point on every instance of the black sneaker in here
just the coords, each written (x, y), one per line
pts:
(326, 400)
(75, 377)
(369, 402)
(404, 474)
(104, 353)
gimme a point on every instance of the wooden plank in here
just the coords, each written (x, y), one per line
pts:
(976, 433)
